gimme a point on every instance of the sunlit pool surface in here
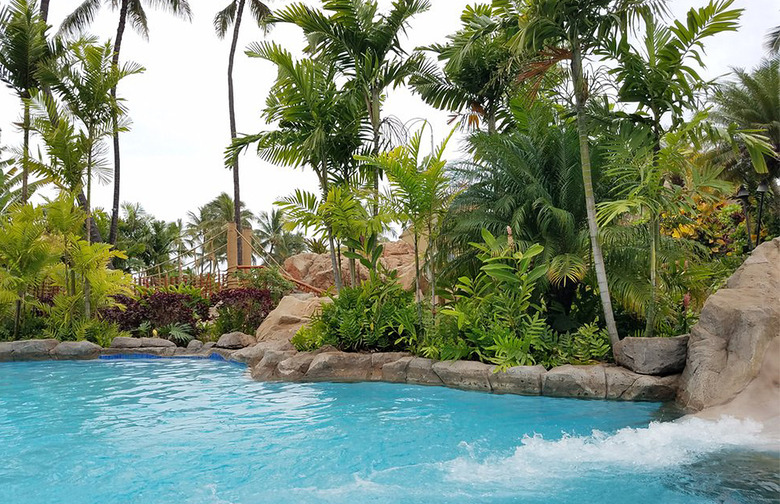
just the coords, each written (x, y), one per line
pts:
(185, 431)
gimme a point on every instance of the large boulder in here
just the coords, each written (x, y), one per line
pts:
(419, 370)
(76, 350)
(467, 375)
(340, 366)
(626, 385)
(395, 371)
(37, 349)
(235, 340)
(251, 355)
(652, 356)
(266, 368)
(760, 400)
(317, 271)
(295, 367)
(6, 351)
(194, 346)
(286, 319)
(380, 359)
(737, 325)
(524, 380)
(125, 342)
(154, 343)
(575, 381)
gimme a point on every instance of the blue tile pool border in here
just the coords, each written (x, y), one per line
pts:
(129, 356)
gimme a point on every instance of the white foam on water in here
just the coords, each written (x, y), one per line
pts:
(660, 445)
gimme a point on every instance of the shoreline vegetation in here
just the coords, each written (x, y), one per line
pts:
(590, 218)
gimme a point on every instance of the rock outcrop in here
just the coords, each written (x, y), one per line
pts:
(316, 269)
(593, 382)
(24, 350)
(235, 340)
(290, 315)
(76, 350)
(737, 328)
(653, 356)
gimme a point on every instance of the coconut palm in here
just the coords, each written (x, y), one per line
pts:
(216, 214)
(232, 15)
(570, 30)
(84, 77)
(363, 45)
(23, 47)
(132, 11)
(272, 237)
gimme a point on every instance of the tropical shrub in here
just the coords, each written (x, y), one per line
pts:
(309, 337)
(171, 312)
(368, 317)
(242, 309)
(100, 332)
(496, 320)
(270, 279)
(587, 345)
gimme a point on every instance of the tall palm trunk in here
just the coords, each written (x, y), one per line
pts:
(87, 286)
(581, 95)
(373, 114)
(232, 113)
(654, 228)
(44, 10)
(26, 150)
(430, 251)
(417, 288)
(18, 315)
(334, 263)
(120, 31)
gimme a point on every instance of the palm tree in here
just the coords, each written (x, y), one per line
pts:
(419, 193)
(215, 215)
(84, 77)
(479, 73)
(133, 11)
(752, 102)
(773, 40)
(23, 47)
(222, 21)
(318, 124)
(658, 77)
(362, 45)
(569, 30)
(528, 180)
(274, 239)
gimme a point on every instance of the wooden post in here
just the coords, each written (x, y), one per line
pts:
(232, 255)
(246, 250)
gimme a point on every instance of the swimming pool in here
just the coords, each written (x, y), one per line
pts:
(198, 431)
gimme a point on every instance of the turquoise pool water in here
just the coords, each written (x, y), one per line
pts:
(201, 432)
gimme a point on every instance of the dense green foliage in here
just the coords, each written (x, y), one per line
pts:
(588, 204)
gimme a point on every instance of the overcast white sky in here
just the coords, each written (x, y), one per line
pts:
(172, 158)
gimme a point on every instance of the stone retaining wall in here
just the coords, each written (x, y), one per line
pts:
(280, 361)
